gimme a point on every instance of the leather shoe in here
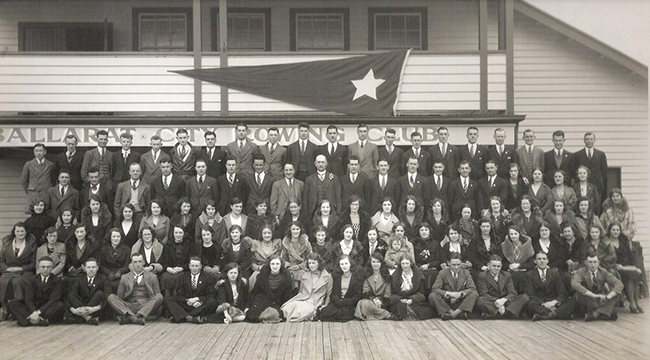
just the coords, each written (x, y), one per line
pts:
(537, 317)
(613, 317)
(640, 309)
(42, 322)
(93, 321)
(195, 320)
(393, 317)
(634, 310)
(463, 315)
(591, 317)
(139, 320)
(126, 319)
(446, 316)
(486, 316)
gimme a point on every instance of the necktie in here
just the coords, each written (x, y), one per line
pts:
(530, 159)
(543, 276)
(412, 180)
(594, 282)
(259, 179)
(137, 279)
(321, 177)
(166, 181)
(362, 144)
(354, 177)
(444, 149)
(134, 185)
(331, 149)
(589, 153)
(101, 153)
(291, 183)
(43, 281)
(69, 157)
(302, 147)
(491, 181)
(473, 150)
(230, 179)
(93, 187)
(211, 151)
(390, 150)
(200, 180)
(500, 147)
(194, 284)
(183, 151)
(155, 157)
(241, 145)
(417, 153)
(272, 148)
(465, 184)
(62, 190)
(16, 250)
(126, 156)
(383, 182)
(90, 282)
(439, 182)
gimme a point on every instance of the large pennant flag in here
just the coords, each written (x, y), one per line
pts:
(365, 85)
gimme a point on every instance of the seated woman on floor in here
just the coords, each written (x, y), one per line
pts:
(375, 292)
(315, 290)
(273, 287)
(347, 286)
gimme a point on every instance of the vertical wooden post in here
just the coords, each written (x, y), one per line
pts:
(196, 45)
(223, 51)
(510, 57)
(483, 50)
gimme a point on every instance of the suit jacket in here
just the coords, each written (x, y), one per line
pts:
(543, 200)
(445, 282)
(368, 157)
(38, 297)
(550, 166)
(115, 259)
(458, 197)
(120, 166)
(184, 166)
(361, 188)
(150, 168)
(503, 161)
(492, 291)
(443, 193)
(91, 159)
(352, 296)
(514, 195)
(394, 160)
(80, 287)
(581, 281)
(332, 193)
(104, 193)
(35, 177)
(275, 161)
(281, 194)
(216, 165)
(421, 189)
(226, 192)
(169, 196)
(204, 288)
(499, 189)
(55, 201)
(450, 159)
(199, 194)
(477, 163)
(73, 167)
(244, 156)
(392, 190)
(337, 163)
(127, 282)
(538, 161)
(258, 193)
(425, 164)
(293, 154)
(552, 289)
(598, 167)
(123, 196)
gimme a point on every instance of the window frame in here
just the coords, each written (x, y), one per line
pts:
(424, 23)
(22, 26)
(187, 11)
(214, 27)
(293, 26)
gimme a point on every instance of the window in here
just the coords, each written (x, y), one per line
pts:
(248, 29)
(397, 28)
(65, 36)
(320, 29)
(163, 29)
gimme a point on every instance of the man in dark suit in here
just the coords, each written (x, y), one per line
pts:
(99, 158)
(229, 186)
(453, 293)
(476, 155)
(285, 190)
(36, 177)
(61, 196)
(123, 159)
(322, 185)
(335, 153)
(150, 161)
(498, 298)
(138, 294)
(41, 304)
(439, 183)
(302, 153)
(391, 153)
(183, 155)
(70, 161)
(382, 186)
(597, 291)
(503, 155)
(558, 159)
(214, 157)
(414, 184)
(87, 295)
(95, 186)
(125, 194)
(201, 188)
(463, 191)
(366, 151)
(546, 291)
(491, 185)
(416, 151)
(195, 296)
(274, 154)
(447, 153)
(596, 161)
(259, 185)
(167, 187)
(530, 156)
(355, 183)
(243, 150)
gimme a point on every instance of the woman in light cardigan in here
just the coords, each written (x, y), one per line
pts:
(151, 250)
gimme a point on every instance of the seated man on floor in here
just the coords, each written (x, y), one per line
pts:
(42, 304)
(597, 290)
(195, 295)
(87, 295)
(138, 294)
(498, 298)
(546, 291)
(453, 293)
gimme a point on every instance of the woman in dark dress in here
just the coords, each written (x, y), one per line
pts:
(259, 220)
(407, 300)
(347, 246)
(454, 244)
(237, 250)
(209, 252)
(39, 221)
(347, 289)
(127, 226)
(516, 187)
(527, 218)
(427, 256)
(376, 291)
(374, 244)
(439, 220)
(583, 188)
(482, 248)
(176, 259)
(294, 213)
(466, 226)
(324, 247)
(65, 229)
(550, 244)
(500, 218)
(272, 289)
(325, 216)
(631, 275)
(97, 218)
(115, 258)
(518, 256)
(410, 214)
(559, 214)
(184, 217)
(572, 245)
(355, 215)
(17, 262)
(78, 250)
(232, 297)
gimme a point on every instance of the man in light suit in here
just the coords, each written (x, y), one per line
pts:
(439, 183)
(285, 190)
(391, 153)
(548, 296)
(195, 295)
(491, 185)
(229, 186)
(36, 177)
(416, 151)
(61, 196)
(150, 161)
(215, 158)
(183, 155)
(70, 161)
(133, 191)
(558, 159)
(100, 158)
(447, 153)
(274, 154)
(503, 155)
(138, 294)
(597, 291)
(355, 183)
(322, 185)
(258, 185)
(201, 187)
(123, 159)
(302, 153)
(381, 186)
(596, 161)
(414, 184)
(463, 190)
(335, 153)
(243, 150)
(87, 295)
(498, 298)
(453, 293)
(167, 187)
(366, 151)
(530, 156)
(476, 155)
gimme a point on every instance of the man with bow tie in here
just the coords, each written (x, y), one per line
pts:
(194, 297)
(597, 291)
(87, 296)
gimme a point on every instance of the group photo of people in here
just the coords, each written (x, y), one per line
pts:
(297, 232)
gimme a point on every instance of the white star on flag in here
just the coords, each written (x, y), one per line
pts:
(367, 86)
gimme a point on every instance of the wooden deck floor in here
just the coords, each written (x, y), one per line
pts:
(626, 338)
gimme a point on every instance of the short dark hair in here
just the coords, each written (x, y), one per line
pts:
(45, 258)
(495, 257)
(181, 131)
(126, 135)
(259, 157)
(303, 124)
(208, 133)
(102, 132)
(273, 128)
(332, 127)
(415, 133)
(91, 259)
(558, 133)
(241, 123)
(353, 157)
(391, 131)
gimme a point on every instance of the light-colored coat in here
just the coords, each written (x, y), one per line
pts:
(274, 162)
(36, 179)
(150, 168)
(281, 194)
(368, 157)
